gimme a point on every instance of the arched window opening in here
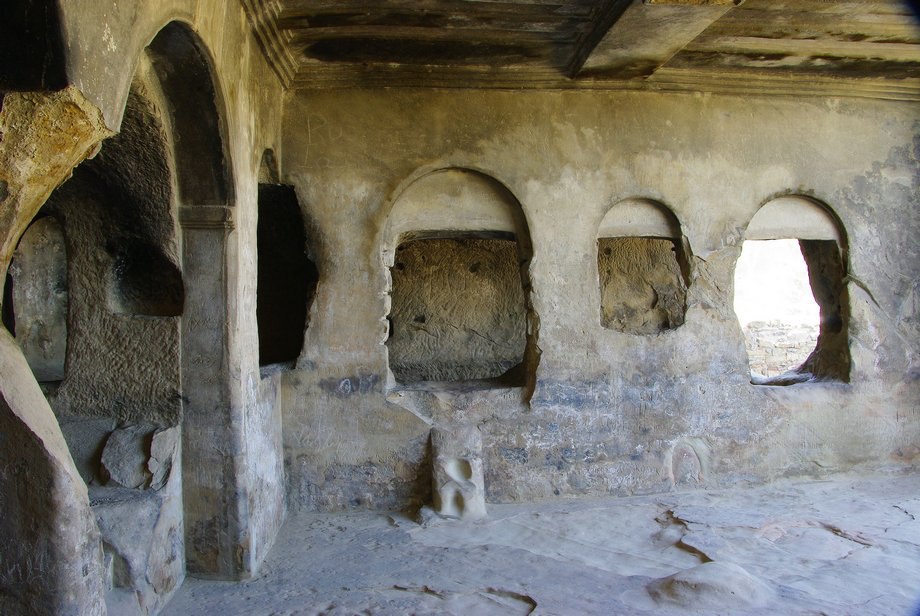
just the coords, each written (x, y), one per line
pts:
(287, 278)
(775, 306)
(643, 269)
(790, 296)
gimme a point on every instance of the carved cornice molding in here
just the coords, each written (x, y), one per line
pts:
(736, 83)
(752, 83)
(263, 16)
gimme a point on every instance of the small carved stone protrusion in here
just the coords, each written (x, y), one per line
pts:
(689, 462)
(459, 487)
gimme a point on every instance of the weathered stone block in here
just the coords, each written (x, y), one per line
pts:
(164, 446)
(142, 534)
(40, 298)
(124, 459)
(711, 586)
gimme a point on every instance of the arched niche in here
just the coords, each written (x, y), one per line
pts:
(454, 200)
(133, 174)
(126, 286)
(795, 217)
(643, 268)
(458, 249)
(638, 217)
(822, 246)
(186, 79)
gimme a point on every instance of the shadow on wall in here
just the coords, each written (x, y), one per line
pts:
(125, 285)
(287, 277)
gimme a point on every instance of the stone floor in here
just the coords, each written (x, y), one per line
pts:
(850, 545)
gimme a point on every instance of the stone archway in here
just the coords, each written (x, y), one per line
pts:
(51, 552)
(216, 503)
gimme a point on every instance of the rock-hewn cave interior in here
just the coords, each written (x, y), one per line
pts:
(459, 307)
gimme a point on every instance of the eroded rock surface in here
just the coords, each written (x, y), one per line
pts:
(142, 536)
(458, 310)
(711, 586)
(39, 298)
(642, 287)
(141, 525)
(164, 447)
(86, 439)
(845, 546)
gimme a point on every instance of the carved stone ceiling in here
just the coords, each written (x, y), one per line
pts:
(847, 47)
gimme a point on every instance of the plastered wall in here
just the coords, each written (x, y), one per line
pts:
(609, 408)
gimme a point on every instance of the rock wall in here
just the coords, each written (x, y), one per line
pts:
(51, 556)
(457, 310)
(38, 299)
(127, 347)
(126, 290)
(602, 411)
(50, 551)
(642, 288)
(774, 348)
(611, 411)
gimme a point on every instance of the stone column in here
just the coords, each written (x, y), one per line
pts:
(215, 489)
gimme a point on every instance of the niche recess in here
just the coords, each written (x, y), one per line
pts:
(643, 269)
(125, 284)
(131, 180)
(144, 281)
(783, 336)
(287, 277)
(37, 299)
(458, 249)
